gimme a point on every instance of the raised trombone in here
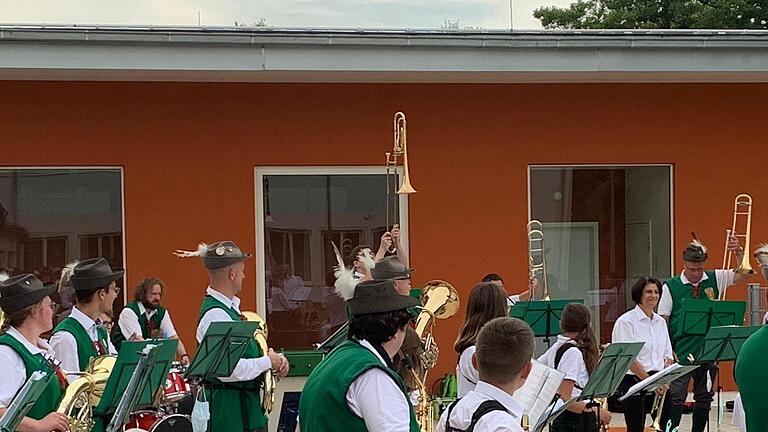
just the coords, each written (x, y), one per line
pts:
(400, 149)
(742, 207)
(537, 262)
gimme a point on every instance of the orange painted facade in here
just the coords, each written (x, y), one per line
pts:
(188, 151)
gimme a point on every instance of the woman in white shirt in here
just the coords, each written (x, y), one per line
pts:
(642, 324)
(486, 302)
(575, 354)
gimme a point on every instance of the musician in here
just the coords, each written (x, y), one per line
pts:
(694, 282)
(80, 336)
(28, 310)
(355, 388)
(575, 354)
(533, 284)
(145, 318)
(361, 261)
(235, 404)
(751, 376)
(486, 302)
(503, 358)
(642, 324)
(388, 239)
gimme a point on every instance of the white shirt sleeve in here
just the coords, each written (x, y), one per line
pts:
(667, 342)
(571, 363)
(623, 332)
(440, 427)
(12, 374)
(129, 324)
(724, 278)
(65, 347)
(511, 300)
(375, 397)
(166, 326)
(112, 349)
(469, 375)
(665, 303)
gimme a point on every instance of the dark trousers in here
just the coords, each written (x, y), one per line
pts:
(569, 421)
(703, 398)
(637, 406)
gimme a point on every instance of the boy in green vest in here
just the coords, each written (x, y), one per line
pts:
(235, 404)
(355, 388)
(145, 318)
(80, 336)
(28, 311)
(695, 283)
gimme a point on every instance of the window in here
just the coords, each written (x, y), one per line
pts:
(300, 211)
(603, 228)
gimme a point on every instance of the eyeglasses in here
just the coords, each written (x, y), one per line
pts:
(53, 306)
(117, 290)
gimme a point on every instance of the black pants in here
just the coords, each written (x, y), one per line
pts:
(702, 397)
(569, 421)
(637, 406)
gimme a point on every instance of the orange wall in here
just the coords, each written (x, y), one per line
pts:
(189, 150)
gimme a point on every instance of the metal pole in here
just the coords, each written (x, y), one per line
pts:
(753, 293)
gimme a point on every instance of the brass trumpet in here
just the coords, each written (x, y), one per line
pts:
(400, 149)
(537, 262)
(658, 404)
(742, 206)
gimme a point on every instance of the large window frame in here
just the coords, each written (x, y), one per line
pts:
(260, 172)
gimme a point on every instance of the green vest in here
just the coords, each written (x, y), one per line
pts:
(157, 318)
(51, 396)
(85, 348)
(235, 406)
(751, 376)
(323, 405)
(679, 292)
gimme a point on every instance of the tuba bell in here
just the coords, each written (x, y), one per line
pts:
(84, 393)
(269, 384)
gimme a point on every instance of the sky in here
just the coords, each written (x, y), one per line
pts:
(487, 14)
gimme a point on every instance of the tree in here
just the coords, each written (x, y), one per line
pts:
(656, 14)
(262, 22)
(456, 25)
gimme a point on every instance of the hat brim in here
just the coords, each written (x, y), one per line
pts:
(216, 262)
(84, 284)
(394, 302)
(19, 302)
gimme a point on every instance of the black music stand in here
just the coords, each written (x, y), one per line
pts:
(543, 316)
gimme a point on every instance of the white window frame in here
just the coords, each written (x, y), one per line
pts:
(260, 172)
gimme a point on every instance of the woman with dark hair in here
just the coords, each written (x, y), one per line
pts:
(577, 365)
(642, 324)
(486, 302)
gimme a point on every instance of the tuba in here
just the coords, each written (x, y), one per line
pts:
(84, 393)
(537, 262)
(742, 206)
(268, 386)
(439, 300)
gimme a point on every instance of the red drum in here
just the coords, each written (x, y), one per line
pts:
(141, 421)
(176, 388)
(173, 423)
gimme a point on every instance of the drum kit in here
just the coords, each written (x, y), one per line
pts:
(174, 409)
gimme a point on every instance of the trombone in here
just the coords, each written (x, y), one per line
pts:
(537, 262)
(400, 149)
(742, 207)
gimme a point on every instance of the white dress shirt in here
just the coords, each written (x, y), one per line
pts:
(245, 369)
(13, 373)
(375, 397)
(571, 364)
(511, 300)
(65, 346)
(466, 374)
(636, 326)
(129, 322)
(494, 421)
(724, 279)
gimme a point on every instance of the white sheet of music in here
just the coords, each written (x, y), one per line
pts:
(538, 391)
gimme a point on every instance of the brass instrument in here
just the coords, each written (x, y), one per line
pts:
(399, 149)
(269, 382)
(761, 256)
(742, 206)
(537, 262)
(658, 404)
(84, 393)
(439, 300)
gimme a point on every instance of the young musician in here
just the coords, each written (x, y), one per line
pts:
(642, 324)
(503, 359)
(533, 285)
(575, 353)
(486, 302)
(28, 313)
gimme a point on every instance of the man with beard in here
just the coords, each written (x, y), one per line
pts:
(144, 318)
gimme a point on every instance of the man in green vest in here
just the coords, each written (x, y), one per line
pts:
(28, 311)
(354, 388)
(751, 377)
(235, 404)
(80, 336)
(694, 282)
(145, 318)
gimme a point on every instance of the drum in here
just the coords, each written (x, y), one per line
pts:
(140, 421)
(176, 387)
(172, 423)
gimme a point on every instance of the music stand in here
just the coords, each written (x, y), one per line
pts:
(545, 420)
(220, 349)
(543, 316)
(335, 339)
(24, 400)
(653, 382)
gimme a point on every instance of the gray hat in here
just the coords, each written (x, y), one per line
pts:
(19, 292)
(377, 296)
(216, 255)
(695, 252)
(93, 273)
(391, 268)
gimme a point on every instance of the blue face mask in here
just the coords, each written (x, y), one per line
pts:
(201, 412)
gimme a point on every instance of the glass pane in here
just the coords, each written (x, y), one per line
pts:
(303, 214)
(603, 228)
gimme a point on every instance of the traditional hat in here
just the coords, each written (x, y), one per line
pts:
(696, 251)
(378, 296)
(93, 273)
(391, 268)
(216, 255)
(22, 291)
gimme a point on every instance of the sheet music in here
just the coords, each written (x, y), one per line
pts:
(538, 391)
(650, 380)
